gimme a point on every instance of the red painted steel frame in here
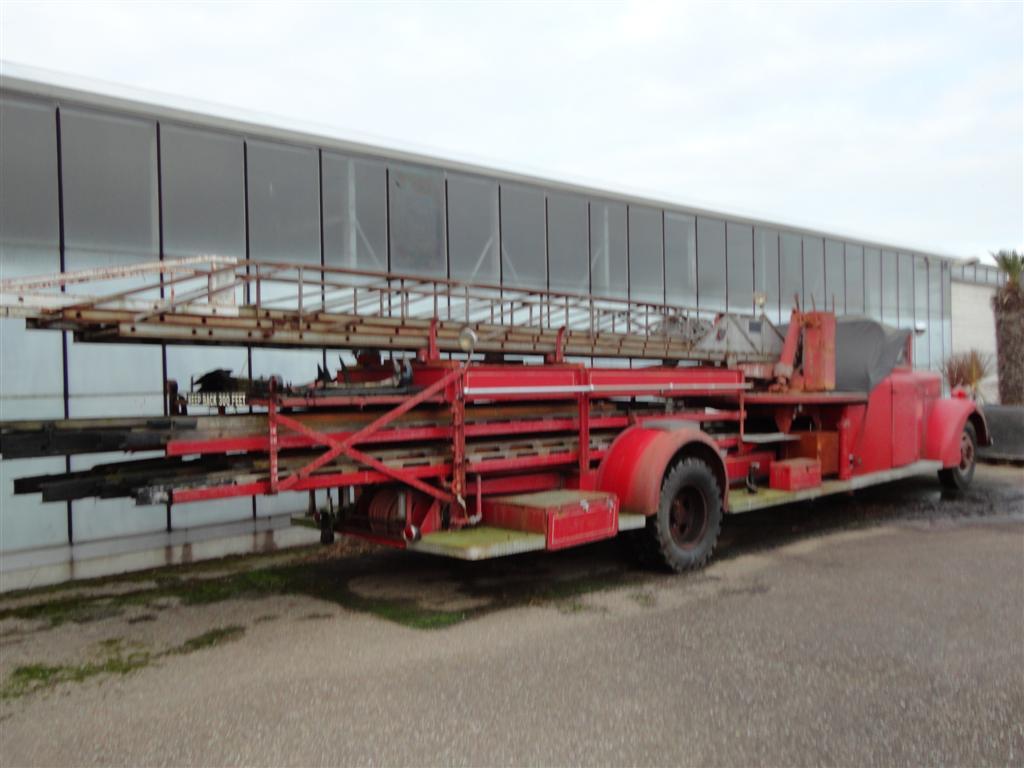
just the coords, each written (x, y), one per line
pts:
(869, 439)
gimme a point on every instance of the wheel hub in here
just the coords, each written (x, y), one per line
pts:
(688, 518)
(966, 452)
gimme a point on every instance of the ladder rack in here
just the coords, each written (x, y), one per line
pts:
(222, 300)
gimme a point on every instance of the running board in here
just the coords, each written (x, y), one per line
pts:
(741, 500)
(485, 542)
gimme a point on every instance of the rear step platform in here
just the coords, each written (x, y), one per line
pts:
(531, 522)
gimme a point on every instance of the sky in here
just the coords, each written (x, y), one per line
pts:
(902, 123)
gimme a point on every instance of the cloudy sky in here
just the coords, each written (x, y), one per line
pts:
(900, 122)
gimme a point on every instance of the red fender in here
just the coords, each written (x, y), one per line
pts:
(945, 426)
(638, 458)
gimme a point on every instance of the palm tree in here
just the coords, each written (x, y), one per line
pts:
(1008, 306)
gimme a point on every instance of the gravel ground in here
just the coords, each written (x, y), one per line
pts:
(878, 630)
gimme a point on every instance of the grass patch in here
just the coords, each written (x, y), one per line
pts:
(118, 658)
(33, 677)
(78, 610)
(210, 639)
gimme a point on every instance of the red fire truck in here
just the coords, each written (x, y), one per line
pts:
(476, 421)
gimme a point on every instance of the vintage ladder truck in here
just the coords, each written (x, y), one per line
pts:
(477, 421)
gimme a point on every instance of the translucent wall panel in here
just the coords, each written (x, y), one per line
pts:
(854, 270)
(873, 283)
(203, 193)
(284, 204)
(609, 266)
(766, 269)
(355, 213)
(814, 274)
(473, 229)
(905, 300)
(523, 237)
(739, 239)
(922, 342)
(711, 264)
(890, 288)
(646, 256)
(791, 281)
(936, 353)
(29, 245)
(680, 259)
(835, 276)
(110, 217)
(568, 243)
(284, 225)
(31, 372)
(202, 176)
(947, 316)
(418, 221)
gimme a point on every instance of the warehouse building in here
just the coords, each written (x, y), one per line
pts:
(97, 177)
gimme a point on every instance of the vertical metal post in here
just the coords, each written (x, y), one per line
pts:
(584, 437)
(272, 419)
(458, 452)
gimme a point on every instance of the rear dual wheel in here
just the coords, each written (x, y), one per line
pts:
(682, 534)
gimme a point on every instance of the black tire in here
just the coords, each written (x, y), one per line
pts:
(683, 533)
(959, 477)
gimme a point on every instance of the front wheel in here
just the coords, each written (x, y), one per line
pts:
(959, 477)
(683, 533)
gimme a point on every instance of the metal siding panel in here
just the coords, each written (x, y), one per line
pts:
(739, 239)
(646, 259)
(681, 260)
(416, 197)
(567, 244)
(609, 265)
(355, 213)
(473, 229)
(711, 264)
(814, 273)
(854, 268)
(791, 279)
(890, 281)
(835, 276)
(766, 270)
(523, 238)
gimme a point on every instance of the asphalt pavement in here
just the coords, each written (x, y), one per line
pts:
(879, 630)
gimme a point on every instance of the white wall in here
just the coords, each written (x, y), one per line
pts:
(974, 328)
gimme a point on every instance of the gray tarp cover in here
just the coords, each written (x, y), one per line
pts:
(866, 352)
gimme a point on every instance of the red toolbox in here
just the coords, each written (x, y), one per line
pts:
(795, 474)
(565, 517)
